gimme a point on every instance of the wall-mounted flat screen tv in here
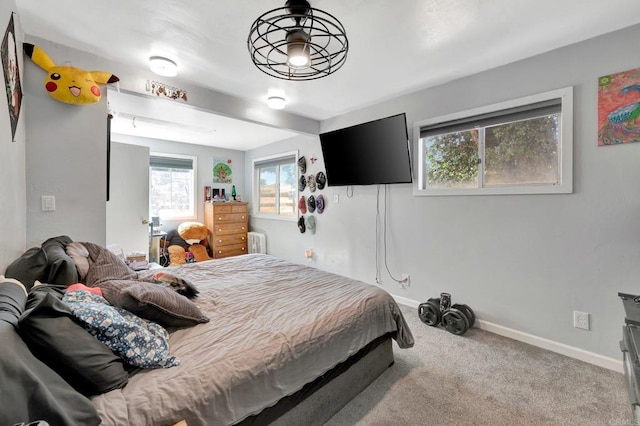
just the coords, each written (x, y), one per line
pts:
(372, 153)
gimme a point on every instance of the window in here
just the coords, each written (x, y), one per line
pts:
(516, 147)
(276, 185)
(172, 186)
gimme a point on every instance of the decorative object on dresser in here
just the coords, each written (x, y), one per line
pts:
(228, 223)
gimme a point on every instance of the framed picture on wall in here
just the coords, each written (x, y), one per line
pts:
(619, 108)
(222, 172)
(9, 54)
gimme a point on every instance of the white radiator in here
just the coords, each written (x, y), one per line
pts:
(257, 242)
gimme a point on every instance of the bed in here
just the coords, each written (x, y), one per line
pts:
(274, 327)
(285, 344)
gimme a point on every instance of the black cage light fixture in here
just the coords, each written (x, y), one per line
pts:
(298, 42)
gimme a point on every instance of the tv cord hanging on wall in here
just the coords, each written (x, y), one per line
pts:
(384, 234)
(378, 236)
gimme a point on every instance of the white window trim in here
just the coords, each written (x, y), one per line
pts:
(565, 154)
(256, 184)
(194, 159)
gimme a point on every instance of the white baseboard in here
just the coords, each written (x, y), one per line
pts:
(561, 348)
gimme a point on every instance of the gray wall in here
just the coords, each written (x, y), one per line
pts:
(66, 146)
(13, 223)
(523, 262)
(205, 155)
(66, 156)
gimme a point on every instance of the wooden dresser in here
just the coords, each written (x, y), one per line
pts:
(228, 223)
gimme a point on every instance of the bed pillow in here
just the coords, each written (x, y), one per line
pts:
(105, 266)
(156, 303)
(80, 256)
(31, 266)
(140, 343)
(30, 390)
(55, 337)
(61, 268)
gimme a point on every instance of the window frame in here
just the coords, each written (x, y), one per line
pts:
(194, 162)
(565, 150)
(255, 190)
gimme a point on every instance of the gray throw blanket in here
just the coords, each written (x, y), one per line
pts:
(110, 273)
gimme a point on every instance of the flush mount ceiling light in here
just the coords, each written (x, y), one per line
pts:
(163, 66)
(276, 102)
(298, 42)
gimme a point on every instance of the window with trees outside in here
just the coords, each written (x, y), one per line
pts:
(172, 186)
(516, 147)
(276, 185)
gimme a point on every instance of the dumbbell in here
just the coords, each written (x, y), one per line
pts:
(429, 312)
(456, 319)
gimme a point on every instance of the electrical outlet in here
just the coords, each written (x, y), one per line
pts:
(48, 203)
(581, 320)
(404, 279)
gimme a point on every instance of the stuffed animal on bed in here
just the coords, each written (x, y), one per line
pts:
(196, 235)
(66, 83)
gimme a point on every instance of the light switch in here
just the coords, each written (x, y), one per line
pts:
(48, 203)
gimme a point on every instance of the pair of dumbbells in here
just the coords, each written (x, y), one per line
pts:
(456, 318)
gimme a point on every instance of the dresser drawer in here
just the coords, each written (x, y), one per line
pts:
(230, 239)
(232, 217)
(230, 208)
(242, 208)
(228, 228)
(232, 250)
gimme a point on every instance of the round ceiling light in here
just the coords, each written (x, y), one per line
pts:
(163, 66)
(276, 102)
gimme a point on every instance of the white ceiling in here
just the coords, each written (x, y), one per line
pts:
(396, 46)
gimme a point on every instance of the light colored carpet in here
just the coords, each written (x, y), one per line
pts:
(485, 379)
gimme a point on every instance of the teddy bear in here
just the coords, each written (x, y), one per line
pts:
(196, 235)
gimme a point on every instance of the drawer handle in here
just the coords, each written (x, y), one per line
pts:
(243, 228)
(220, 230)
(243, 217)
(219, 218)
(242, 248)
(242, 238)
(219, 241)
(219, 251)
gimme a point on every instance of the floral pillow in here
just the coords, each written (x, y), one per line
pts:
(139, 342)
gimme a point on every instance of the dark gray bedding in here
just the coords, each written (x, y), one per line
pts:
(29, 390)
(275, 326)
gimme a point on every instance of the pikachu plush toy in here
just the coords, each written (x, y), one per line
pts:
(66, 83)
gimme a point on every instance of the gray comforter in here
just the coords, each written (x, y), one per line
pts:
(274, 327)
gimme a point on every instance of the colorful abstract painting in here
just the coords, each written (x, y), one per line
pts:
(222, 170)
(619, 108)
